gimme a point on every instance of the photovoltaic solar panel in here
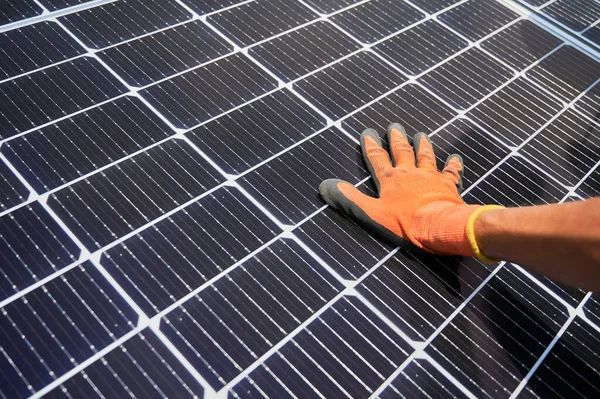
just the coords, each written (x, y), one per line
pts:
(162, 231)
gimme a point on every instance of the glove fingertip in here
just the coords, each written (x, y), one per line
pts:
(330, 192)
(370, 133)
(396, 126)
(460, 171)
(460, 160)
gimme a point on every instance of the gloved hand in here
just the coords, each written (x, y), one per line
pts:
(418, 207)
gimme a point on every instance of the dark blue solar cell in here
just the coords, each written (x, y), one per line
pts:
(177, 255)
(54, 92)
(227, 326)
(33, 246)
(35, 46)
(16, 10)
(115, 22)
(50, 330)
(112, 203)
(149, 59)
(142, 367)
(61, 152)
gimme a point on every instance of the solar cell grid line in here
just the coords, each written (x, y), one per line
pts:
(230, 324)
(521, 44)
(55, 5)
(232, 81)
(571, 321)
(418, 293)
(207, 7)
(280, 121)
(324, 347)
(577, 15)
(568, 148)
(145, 60)
(280, 186)
(593, 33)
(449, 80)
(112, 23)
(344, 246)
(141, 367)
(55, 92)
(515, 182)
(375, 19)
(303, 50)
(342, 87)
(536, 4)
(566, 72)
(33, 47)
(477, 19)
(504, 330)
(15, 10)
(325, 7)
(570, 352)
(33, 247)
(57, 326)
(418, 109)
(434, 6)
(571, 296)
(164, 263)
(114, 202)
(418, 49)
(268, 17)
(68, 150)
(591, 309)
(590, 185)
(589, 103)
(13, 191)
(422, 376)
(516, 111)
(479, 150)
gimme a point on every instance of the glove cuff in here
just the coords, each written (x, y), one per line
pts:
(441, 227)
(471, 232)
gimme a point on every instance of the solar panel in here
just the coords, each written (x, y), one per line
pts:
(162, 232)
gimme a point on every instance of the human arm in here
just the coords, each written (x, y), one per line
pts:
(561, 241)
(421, 209)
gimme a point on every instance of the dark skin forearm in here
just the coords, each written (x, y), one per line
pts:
(560, 241)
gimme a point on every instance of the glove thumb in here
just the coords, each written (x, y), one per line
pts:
(348, 200)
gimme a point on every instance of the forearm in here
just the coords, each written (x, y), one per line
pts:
(559, 241)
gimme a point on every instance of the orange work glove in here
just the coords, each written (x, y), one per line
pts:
(418, 207)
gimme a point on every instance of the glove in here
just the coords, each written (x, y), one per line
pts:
(418, 207)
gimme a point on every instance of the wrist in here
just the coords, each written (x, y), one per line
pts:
(476, 228)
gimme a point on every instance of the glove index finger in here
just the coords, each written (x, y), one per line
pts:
(376, 158)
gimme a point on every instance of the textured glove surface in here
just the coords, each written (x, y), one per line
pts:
(417, 205)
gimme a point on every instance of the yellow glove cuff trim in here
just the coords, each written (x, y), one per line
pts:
(471, 232)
